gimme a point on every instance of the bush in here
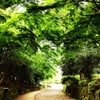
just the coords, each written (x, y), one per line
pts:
(69, 79)
(93, 86)
(72, 85)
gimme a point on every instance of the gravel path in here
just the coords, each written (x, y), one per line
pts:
(51, 94)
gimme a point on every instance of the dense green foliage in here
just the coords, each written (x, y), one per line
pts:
(36, 35)
(26, 56)
(72, 85)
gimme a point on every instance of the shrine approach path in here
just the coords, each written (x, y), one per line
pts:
(47, 94)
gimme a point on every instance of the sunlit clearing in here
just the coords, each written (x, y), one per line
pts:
(56, 86)
(58, 75)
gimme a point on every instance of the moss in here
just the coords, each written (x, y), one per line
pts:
(71, 85)
(83, 83)
(97, 95)
(84, 93)
(94, 85)
(82, 90)
(64, 89)
(92, 88)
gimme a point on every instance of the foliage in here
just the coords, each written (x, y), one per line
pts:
(93, 89)
(83, 83)
(21, 51)
(86, 62)
(69, 79)
(68, 67)
(94, 85)
(83, 33)
(72, 86)
(38, 36)
(87, 65)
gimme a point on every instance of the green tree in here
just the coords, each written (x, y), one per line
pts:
(20, 50)
(71, 25)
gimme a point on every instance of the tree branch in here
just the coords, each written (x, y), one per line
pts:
(41, 8)
(96, 4)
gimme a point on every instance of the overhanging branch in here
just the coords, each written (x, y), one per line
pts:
(42, 8)
(98, 7)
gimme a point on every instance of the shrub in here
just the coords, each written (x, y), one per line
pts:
(69, 79)
(72, 85)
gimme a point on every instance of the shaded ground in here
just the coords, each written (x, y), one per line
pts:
(28, 96)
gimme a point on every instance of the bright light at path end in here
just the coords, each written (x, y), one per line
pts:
(56, 86)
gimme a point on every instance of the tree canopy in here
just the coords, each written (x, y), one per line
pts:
(36, 35)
